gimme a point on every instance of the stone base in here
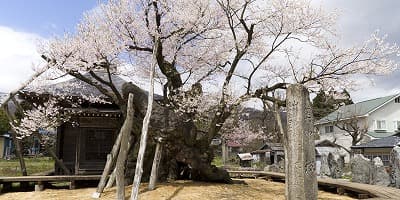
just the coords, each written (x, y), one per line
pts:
(39, 187)
(96, 195)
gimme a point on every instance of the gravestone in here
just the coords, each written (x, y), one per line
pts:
(324, 171)
(336, 164)
(379, 176)
(272, 168)
(301, 177)
(360, 169)
(395, 165)
(281, 166)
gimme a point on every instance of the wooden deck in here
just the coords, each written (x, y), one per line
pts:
(362, 191)
(41, 180)
(49, 178)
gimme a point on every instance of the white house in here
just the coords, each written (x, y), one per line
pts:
(380, 118)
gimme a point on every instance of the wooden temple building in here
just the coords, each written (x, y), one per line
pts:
(84, 146)
(84, 141)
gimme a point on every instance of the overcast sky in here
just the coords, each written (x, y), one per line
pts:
(24, 22)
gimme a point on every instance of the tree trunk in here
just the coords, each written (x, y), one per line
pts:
(301, 178)
(145, 128)
(185, 148)
(123, 151)
(156, 164)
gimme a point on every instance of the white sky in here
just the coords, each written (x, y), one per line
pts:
(17, 56)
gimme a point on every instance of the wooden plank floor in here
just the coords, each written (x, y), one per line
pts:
(49, 178)
(377, 192)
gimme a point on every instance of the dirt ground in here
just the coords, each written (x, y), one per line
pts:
(180, 190)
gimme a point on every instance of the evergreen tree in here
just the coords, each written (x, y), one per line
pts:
(327, 102)
(4, 124)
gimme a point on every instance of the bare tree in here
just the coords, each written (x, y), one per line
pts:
(352, 127)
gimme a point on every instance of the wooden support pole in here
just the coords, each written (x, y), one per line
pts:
(58, 161)
(224, 152)
(111, 180)
(18, 151)
(111, 160)
(123, 151)
(301, 177)
(145, 128)
(156, 164)
(16, 141)
(54, 156)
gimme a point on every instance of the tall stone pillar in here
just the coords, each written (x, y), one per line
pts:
(301, 177)
(224, 152)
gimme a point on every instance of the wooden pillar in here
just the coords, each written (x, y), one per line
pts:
(72, 185)
(77, 152)
(301, 178)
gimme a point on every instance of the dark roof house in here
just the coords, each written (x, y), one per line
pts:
(375, 118)
(269, 153)
(378, 148)
(386, 142)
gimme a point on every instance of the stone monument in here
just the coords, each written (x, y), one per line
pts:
(301, 177)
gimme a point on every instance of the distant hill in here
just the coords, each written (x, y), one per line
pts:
(2, 97)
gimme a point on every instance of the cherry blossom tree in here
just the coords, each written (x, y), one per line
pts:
(240, 49)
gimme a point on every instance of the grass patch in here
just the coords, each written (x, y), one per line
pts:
(33, 165)
(217, 161)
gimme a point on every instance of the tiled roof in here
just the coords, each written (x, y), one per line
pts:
(76, 87)
(273, 146)
(356, 110)
(380, 134)
(245, 156)
(385, 142)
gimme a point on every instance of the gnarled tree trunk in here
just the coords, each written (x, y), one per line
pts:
(187, 153)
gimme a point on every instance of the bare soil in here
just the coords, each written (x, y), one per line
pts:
(179, 190)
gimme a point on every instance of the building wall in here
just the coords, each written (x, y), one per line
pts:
(390, 113)
(383, 153)
(341, 137)
(84, 148)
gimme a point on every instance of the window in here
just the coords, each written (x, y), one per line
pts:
(380, 124)
(396, 125)
(397, 100)
(98, 143)
(328, 129)
(384, 157)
